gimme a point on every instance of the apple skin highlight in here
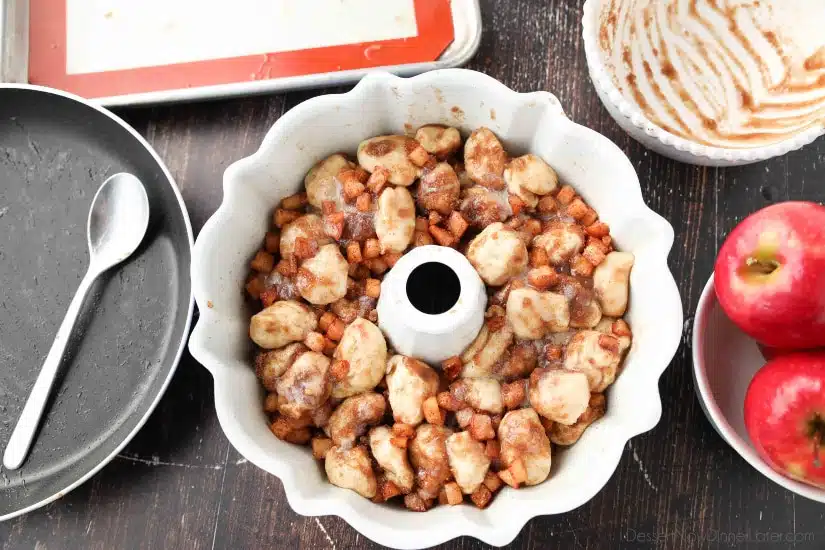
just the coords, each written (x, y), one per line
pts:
(770, 275)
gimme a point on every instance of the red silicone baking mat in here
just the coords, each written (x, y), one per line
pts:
(108, 48)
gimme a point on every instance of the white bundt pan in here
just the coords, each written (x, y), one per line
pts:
(382, 104)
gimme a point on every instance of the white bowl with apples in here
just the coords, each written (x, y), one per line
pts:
(759, 375)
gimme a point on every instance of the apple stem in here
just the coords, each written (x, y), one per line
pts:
(818, 436)
(760, 266)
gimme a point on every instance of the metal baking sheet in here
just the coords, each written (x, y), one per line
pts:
(465, 33)
(14, 41)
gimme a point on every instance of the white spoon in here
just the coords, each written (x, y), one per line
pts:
(117, 224)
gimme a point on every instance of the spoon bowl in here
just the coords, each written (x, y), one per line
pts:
(118, 220)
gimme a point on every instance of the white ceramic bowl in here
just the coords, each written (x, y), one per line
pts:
(725, 360)
(633, 121)
(382, 104)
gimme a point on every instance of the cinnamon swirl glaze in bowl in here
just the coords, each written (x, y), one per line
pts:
(729, 81)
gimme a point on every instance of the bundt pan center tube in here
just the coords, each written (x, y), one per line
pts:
(432, 304)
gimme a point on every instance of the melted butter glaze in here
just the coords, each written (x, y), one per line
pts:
(724, 73)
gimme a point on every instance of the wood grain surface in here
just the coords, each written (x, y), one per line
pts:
(180, 484)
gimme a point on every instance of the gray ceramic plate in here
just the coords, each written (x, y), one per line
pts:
(55, 151)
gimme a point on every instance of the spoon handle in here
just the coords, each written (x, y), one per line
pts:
(26, 428)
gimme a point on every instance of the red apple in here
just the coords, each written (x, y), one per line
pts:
(785, 415)
(770, 275)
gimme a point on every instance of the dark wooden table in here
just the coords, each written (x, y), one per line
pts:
(180, 484)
